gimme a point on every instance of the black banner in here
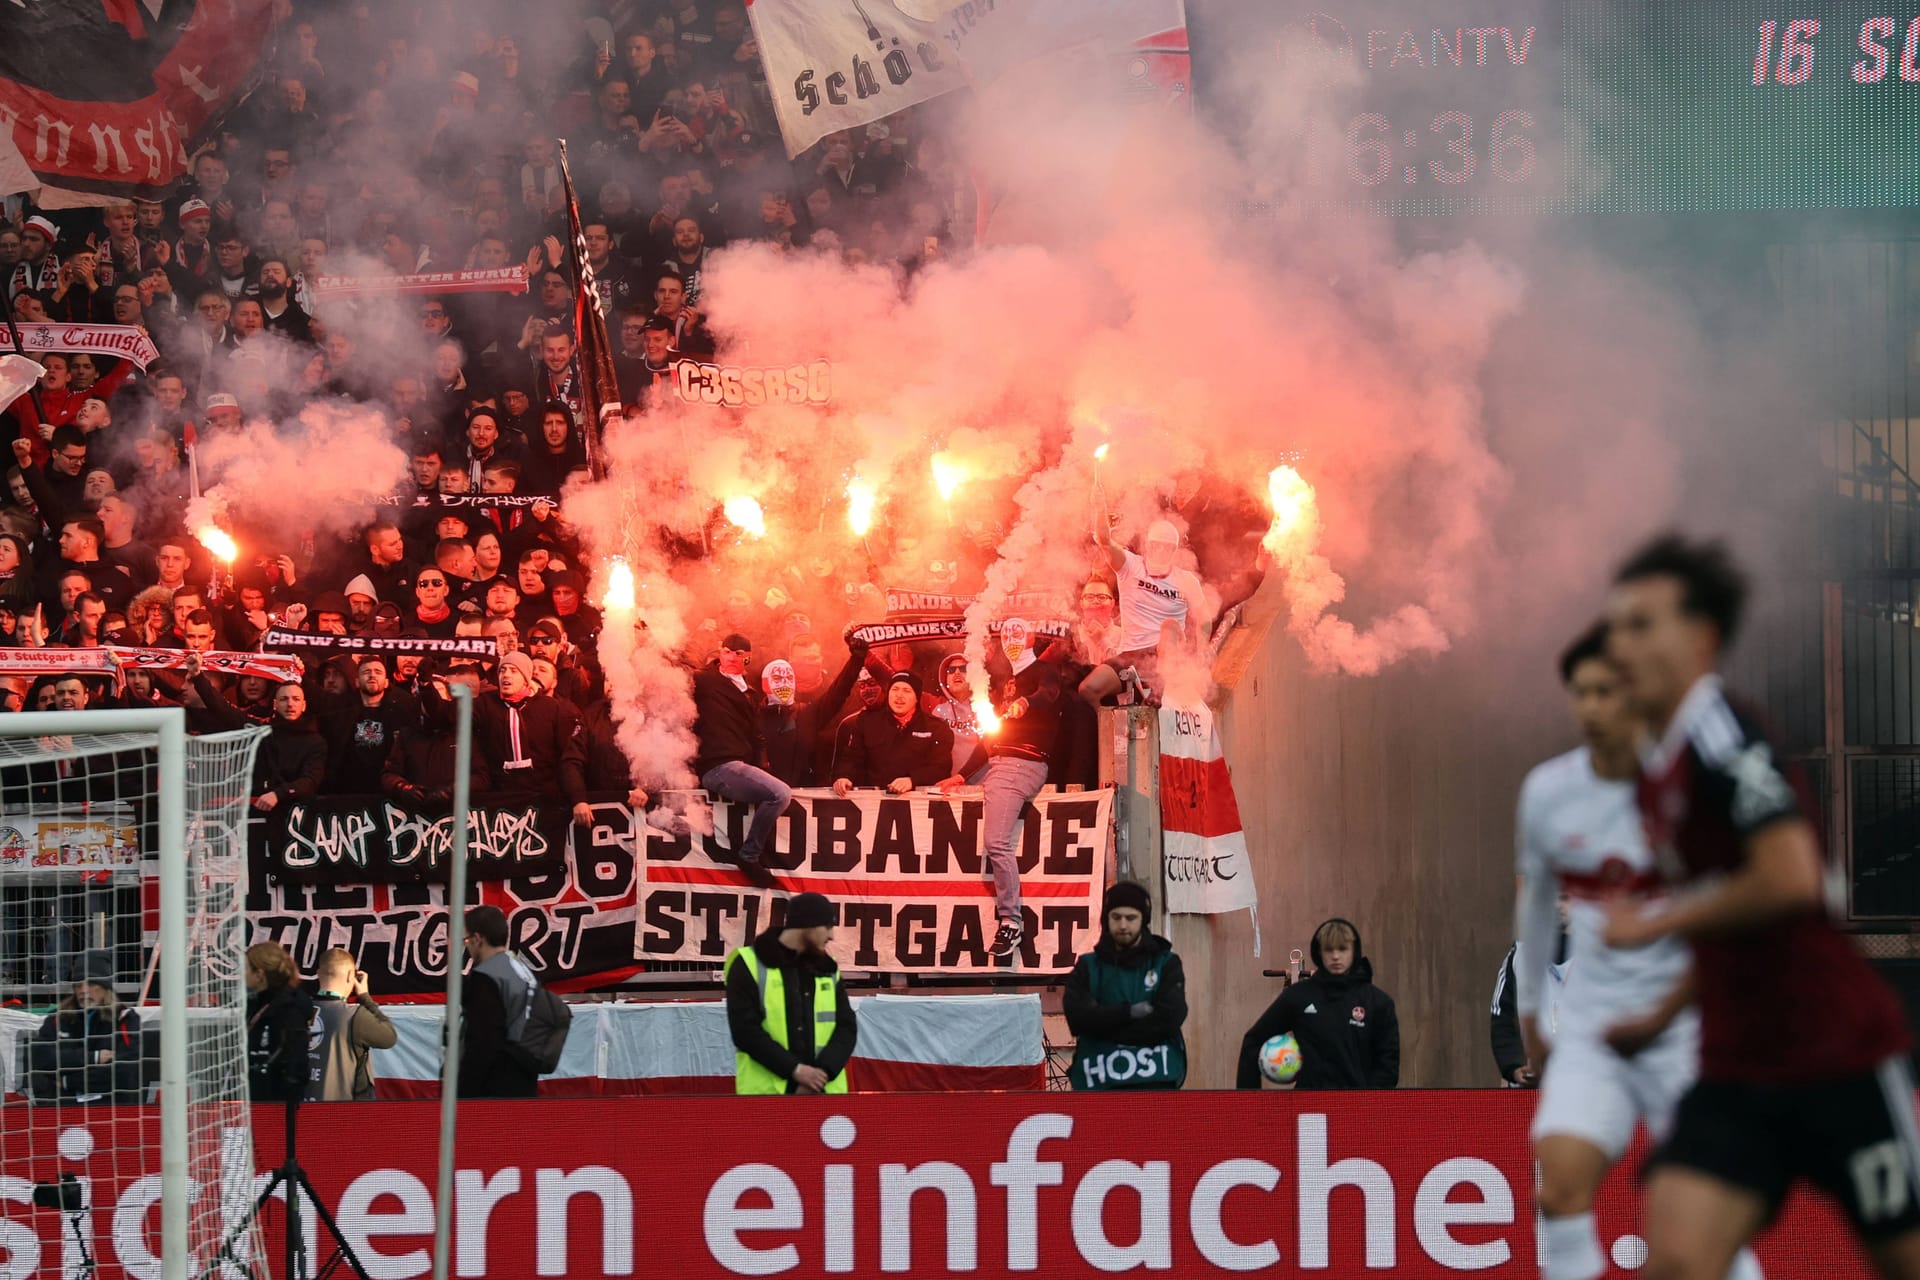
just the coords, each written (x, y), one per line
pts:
(930, 630)
(573, 920)
(378, 840)
(324, 646)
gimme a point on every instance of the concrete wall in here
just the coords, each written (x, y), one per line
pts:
(1388, 801)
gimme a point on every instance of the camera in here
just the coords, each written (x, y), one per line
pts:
(66, 1195)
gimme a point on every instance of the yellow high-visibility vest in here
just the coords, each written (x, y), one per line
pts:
(749, 1076)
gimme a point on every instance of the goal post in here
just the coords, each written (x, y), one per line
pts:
(123, 883)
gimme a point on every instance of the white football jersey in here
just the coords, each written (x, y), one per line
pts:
(1580, 834)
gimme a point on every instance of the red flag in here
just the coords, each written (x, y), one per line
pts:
(123, 116)
(600, 387)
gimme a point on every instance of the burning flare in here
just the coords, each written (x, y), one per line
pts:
(1296, 515)
(860, 497)
(984, 716)
(948, 475)
(219, 542)
(619, 597)
(745, 513)
(1100, 454)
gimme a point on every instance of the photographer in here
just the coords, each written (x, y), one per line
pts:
(350, 1027)
(278, 1017)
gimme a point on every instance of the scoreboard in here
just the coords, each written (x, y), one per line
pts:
(1458, 106)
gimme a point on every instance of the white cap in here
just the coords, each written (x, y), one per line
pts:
(362, 585)
(1164, 531)
(44, 226)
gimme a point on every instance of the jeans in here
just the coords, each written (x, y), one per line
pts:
(1011, 783)
(738, 782)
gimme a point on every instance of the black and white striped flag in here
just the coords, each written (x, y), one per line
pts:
(600, 386)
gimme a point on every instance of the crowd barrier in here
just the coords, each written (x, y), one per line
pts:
(907, 1043)
(1415, 1185)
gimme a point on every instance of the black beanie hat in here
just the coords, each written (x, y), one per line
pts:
(907, 678)
(808, 911)
(1125, 893)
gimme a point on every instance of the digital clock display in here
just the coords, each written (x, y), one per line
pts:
(1460, 106)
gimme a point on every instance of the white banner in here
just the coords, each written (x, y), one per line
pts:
(1207, 868)
(907, 875)
(840, 64)
(129, 342)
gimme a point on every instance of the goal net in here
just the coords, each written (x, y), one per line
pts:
(125, 1136)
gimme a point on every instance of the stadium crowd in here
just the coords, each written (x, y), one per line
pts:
(391, 139)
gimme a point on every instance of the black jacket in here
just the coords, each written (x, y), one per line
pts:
(63, 1059)
(796, 737)
(487, 1070)
(1116, 1022)
(360, 738)
(882, 749)
(726, 721)
(278, 1066)
(420, 764)
(1034, 736)
(1348, 1032)
(608, 768)
(532, 747)
(292, 762)
(1509, 1046)
(746, 1016)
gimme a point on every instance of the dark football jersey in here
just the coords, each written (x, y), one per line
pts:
(1790, 1002)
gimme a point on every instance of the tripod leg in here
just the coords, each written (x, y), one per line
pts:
(227, 1255)
(341, 1249)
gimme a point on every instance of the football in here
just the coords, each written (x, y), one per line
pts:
(1280, 1059)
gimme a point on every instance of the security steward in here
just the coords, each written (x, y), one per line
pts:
(1126, 1001)
(792, 1024)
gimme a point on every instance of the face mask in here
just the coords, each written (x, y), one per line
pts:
(1013, 640)
(1163, 543)
(777, 682)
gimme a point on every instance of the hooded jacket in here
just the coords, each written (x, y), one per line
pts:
(1134, 997)
(1348, 1031)
(746, 1016)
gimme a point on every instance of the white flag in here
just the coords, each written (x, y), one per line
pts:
(1205, 849)
(840, 64)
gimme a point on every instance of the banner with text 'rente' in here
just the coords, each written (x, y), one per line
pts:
(908, 876)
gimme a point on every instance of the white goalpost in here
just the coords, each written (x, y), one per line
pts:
(123, 880)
